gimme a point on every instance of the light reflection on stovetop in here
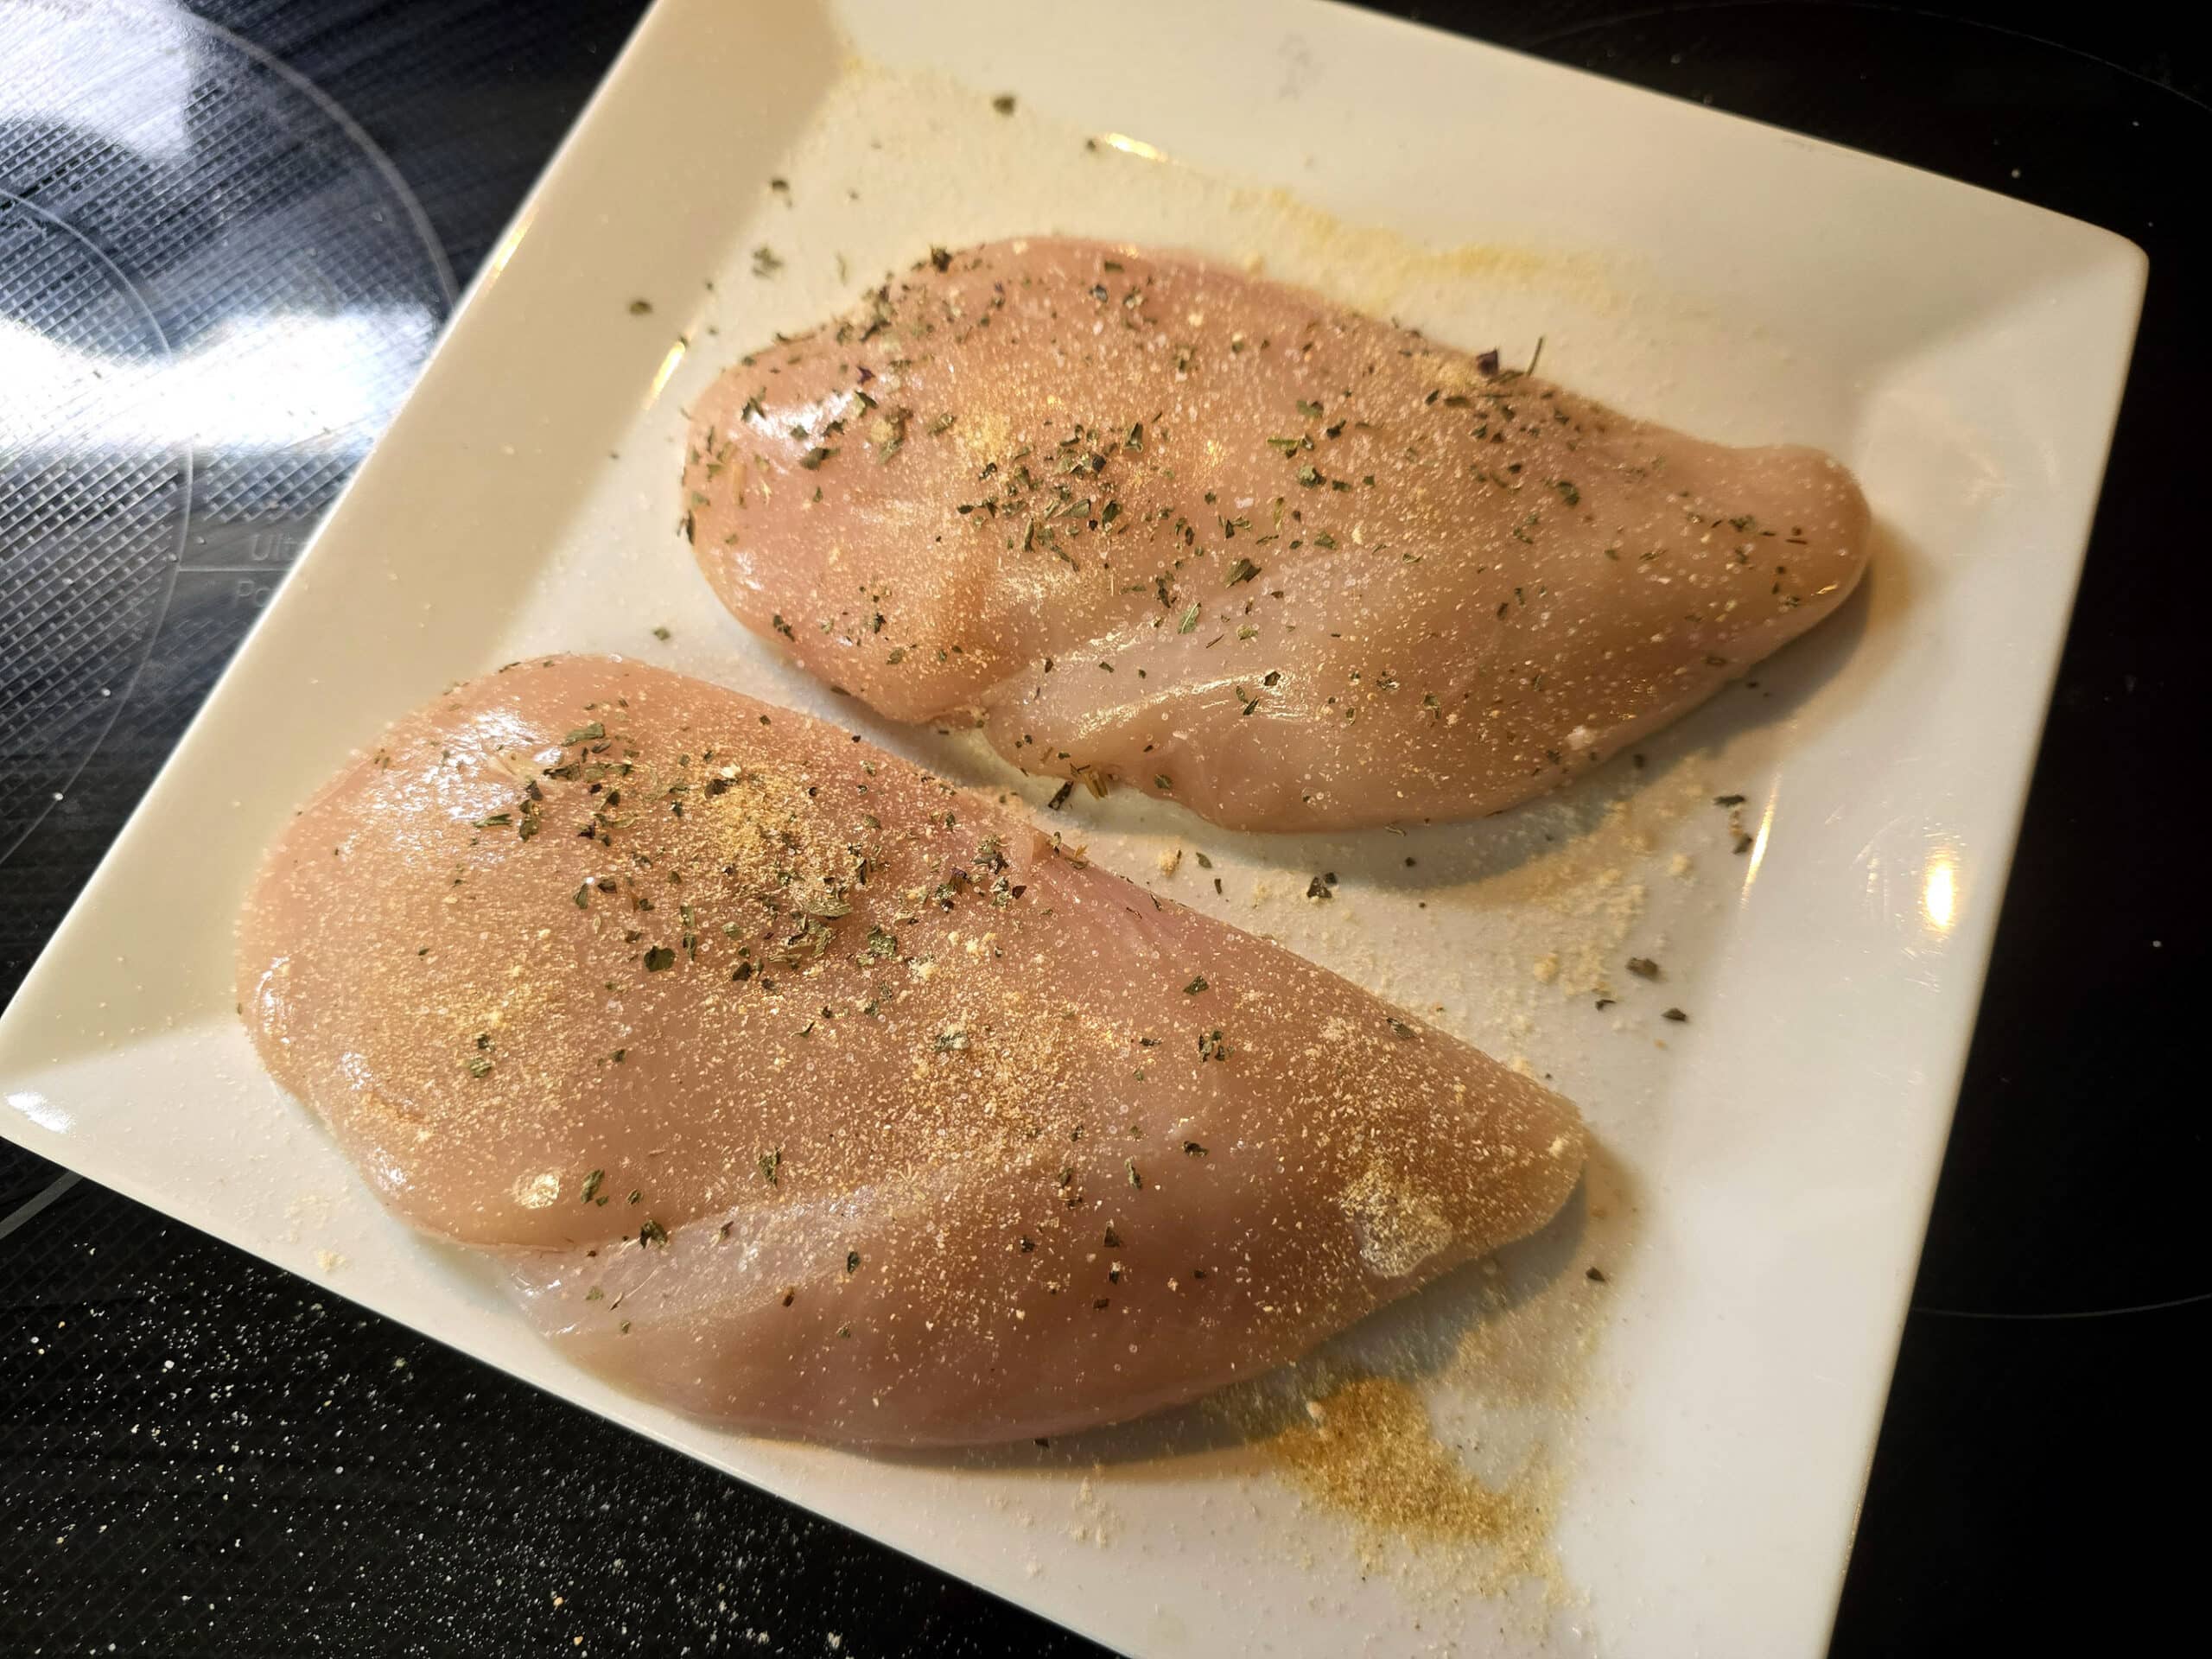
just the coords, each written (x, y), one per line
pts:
(213, 292)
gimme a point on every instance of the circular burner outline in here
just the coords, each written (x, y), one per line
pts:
(125, 284)
(425, 234)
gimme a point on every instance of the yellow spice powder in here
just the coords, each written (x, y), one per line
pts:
(1368, 1450)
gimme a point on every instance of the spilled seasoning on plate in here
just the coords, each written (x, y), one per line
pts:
(1434, 1448)
(1368, 1450)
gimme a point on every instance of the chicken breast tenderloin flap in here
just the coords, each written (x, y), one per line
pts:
(1163, 525)
(811, 1093)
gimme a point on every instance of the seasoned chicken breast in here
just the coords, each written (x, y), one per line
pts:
(807, 1092)
(1163, 525)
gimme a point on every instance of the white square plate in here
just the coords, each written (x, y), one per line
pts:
(1694, 1430)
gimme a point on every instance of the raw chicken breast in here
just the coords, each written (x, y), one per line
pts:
(811, 1093)
(1160, 524)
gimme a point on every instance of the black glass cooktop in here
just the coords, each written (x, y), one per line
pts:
(228, 237)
